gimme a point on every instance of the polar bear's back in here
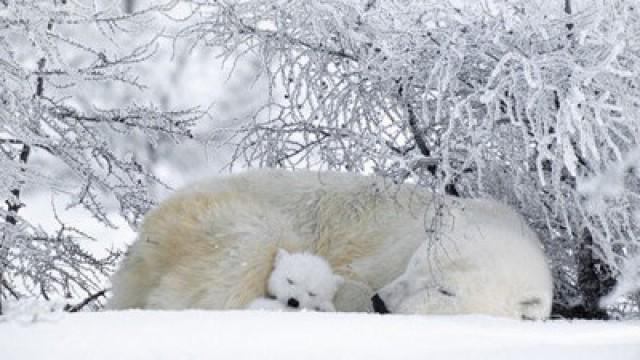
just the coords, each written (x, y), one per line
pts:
(343, 217)
(284, 187)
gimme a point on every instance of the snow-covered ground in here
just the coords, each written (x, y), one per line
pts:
(237, 335)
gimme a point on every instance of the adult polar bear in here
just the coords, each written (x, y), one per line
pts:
(212, 246)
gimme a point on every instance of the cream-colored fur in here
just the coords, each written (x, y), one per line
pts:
(212, 244)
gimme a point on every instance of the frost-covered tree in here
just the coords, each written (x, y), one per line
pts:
(50, 53)
(517, 100)
(179, 76)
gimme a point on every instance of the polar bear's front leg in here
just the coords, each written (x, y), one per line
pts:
(170, 294)
(131, 284)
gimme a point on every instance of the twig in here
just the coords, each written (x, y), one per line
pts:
(85, 302)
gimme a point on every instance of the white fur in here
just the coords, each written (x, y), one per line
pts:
(213, 245)
(489, 272)
(263, 303)
(268, 304)
(302, 279)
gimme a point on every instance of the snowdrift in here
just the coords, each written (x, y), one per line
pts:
(237, 335)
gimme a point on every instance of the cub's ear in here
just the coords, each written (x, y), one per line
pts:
(282, 253)
(338, 279)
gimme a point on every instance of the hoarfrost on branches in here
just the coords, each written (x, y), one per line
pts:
(51, 52)
(517, 101)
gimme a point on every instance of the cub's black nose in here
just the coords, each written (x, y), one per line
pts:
(379, 305)
(293, 303)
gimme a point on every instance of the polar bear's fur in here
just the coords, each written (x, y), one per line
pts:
(263, 303)
(503, 276)
(299, 281)
(213, 244)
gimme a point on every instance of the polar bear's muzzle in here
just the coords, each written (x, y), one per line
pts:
(378, 305)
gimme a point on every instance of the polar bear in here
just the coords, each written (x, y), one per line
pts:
(212, 245)
(503, 277)
(299, 281)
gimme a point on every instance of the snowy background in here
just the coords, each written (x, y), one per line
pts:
(603, 69)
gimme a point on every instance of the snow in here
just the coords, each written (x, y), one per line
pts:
(240, 335)
(38, 210)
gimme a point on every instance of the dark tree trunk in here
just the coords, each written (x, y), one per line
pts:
(129, 6)
(594, 277)
(418, 136)
(594, 280)
(14, 204)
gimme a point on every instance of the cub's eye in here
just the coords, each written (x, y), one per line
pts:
(290, 281)
(312, 294)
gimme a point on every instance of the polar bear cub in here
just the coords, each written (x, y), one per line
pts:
(299, 281)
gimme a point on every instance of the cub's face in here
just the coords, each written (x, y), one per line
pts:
(303, 281)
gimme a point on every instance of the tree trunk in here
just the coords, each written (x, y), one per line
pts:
(129, 6)
(594, 277)
(418, 136)
(13, 205)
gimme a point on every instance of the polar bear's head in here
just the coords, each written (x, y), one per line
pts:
(409, 291)
(492, 284)
(303, 281)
